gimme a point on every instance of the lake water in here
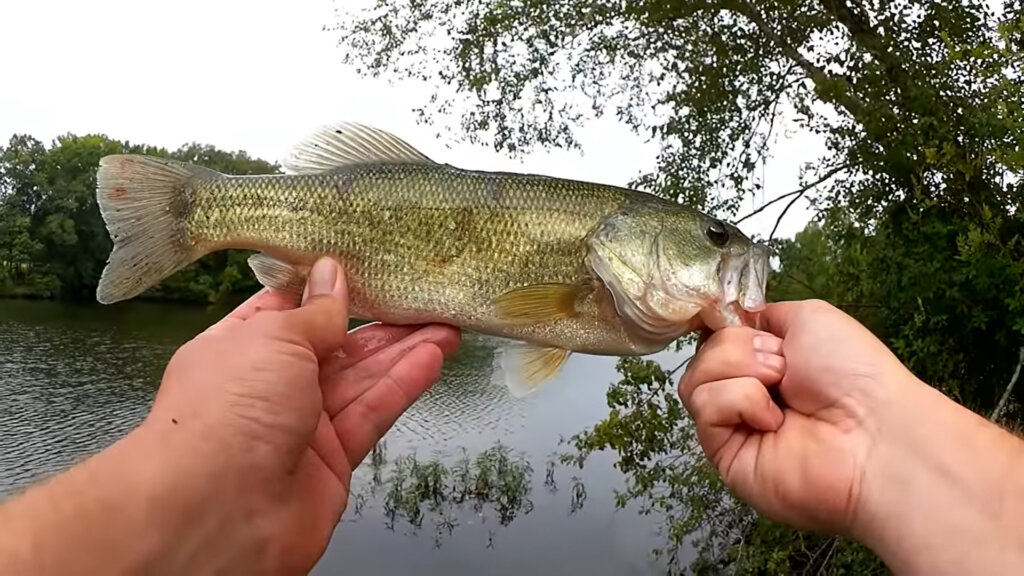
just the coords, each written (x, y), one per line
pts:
(73, 379)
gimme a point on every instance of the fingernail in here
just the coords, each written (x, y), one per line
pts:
(322, 277)
(768, 343)
(773, 361)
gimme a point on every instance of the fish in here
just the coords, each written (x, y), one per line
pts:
(551, 266)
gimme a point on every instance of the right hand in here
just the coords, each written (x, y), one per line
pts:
(803, 463)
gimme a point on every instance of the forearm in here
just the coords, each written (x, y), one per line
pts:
(944, 493)
(128, 510)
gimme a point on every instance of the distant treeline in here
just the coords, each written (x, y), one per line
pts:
(53, 243)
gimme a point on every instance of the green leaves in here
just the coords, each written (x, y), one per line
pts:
(923, 240)
(52, 238)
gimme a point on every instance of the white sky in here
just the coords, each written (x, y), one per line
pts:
(258, 75)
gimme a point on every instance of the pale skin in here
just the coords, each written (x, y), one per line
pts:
(862, 448)
(244, 462)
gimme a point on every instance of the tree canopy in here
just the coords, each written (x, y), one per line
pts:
(918, 193)
(53, 242)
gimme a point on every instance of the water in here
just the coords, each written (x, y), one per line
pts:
(73, 379)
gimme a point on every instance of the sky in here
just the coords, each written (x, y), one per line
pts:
(258, 75)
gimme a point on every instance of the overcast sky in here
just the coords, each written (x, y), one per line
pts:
(257, 75)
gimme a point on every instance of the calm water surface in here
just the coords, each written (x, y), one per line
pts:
(73, 379)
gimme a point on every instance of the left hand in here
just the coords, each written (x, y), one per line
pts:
(264, 408)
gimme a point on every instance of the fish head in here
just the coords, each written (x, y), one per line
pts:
(672, 270)
(716, 265)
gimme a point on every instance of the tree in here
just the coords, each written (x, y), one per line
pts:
(918, 191)
(53, 237)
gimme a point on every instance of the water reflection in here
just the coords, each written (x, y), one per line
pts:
(73, 379)
(67, 391)
(464, 407)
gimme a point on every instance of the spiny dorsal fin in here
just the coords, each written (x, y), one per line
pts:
(279, 276)
(539, 302)
(349, 143)
(524, 368)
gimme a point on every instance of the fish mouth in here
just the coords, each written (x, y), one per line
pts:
(744, 281)
(753, 279)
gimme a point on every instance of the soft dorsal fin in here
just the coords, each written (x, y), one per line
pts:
(349, 143)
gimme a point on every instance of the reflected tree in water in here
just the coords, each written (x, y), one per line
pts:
(427, 491)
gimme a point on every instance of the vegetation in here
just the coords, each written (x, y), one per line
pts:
(414, 488)
(918, 193)
(53, 243)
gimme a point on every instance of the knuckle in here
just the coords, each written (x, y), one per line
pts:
(737, 335)
(817, 306)
(693, 377)
(750, 390)
(698, 404)
(329, 307)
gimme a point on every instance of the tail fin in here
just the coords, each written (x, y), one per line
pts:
(142, 200)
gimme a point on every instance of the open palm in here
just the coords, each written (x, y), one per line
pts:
(288, 405)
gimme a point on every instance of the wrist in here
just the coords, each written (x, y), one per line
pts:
(942, 488)
(147, 504)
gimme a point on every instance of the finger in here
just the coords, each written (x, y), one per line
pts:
(319, 493)
(321, 322)
(705, 335)
(366, 341)
(369, 417)
(730, 403)
(732, 353)
(375, 336)
(325, 444)
(263, 300)
(343, 383)
(777, 318)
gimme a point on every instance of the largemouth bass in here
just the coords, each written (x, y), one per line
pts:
(554, 266)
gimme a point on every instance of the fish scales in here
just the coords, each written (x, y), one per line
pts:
(557, 266)
(424, 243)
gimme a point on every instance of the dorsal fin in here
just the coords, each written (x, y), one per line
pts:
(349, 143)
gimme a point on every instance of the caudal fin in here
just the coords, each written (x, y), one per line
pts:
(143, 203)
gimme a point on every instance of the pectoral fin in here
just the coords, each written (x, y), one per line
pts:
(279, 276)
(539, 302)
(525, 368)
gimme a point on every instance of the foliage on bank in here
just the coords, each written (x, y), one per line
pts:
(53, 243)
(917, 188)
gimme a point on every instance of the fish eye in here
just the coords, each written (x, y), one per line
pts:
(717, 233)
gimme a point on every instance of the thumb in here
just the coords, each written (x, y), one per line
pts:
(778, 317)
(322, 319)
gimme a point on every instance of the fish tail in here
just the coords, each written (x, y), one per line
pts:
(143, 202)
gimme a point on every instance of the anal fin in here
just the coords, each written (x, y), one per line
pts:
(279, 276)
(525, 368)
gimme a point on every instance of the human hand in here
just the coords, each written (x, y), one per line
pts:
(802, 463)
(264, 416)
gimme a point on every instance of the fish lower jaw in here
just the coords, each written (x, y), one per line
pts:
(644, 341)
(719, 316)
